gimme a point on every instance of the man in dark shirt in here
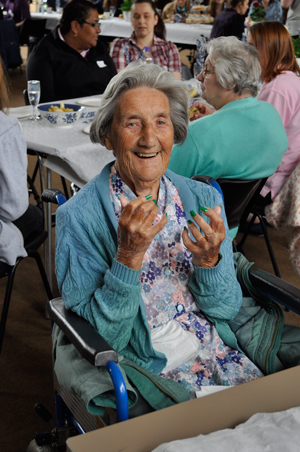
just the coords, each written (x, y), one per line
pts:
(230, 21)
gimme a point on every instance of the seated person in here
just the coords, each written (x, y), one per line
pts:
(130, 254)
(179, 7)
(17, 10)
(18, 218)
(149, 31)
(244, 138)
(72, 61)
(230, 21)
(293, 16)
(214, 7)
(272, 8)
(281, 88)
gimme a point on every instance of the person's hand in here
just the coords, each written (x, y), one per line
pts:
(248, 21)
(206, 248)
(135, 231)
(198, 110)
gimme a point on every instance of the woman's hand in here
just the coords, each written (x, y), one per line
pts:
(206, 248)
(248, 21)
(201, 110)
(135, 231)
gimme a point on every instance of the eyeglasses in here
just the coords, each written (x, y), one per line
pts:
(97, 25)
(205, 72)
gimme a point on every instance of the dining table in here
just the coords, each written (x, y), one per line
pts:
(68, 150)
(114, 27)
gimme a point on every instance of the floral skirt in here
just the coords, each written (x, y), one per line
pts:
(216, 364)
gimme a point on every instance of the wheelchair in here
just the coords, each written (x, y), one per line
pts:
(72, 417)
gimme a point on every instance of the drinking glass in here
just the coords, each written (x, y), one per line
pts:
(34, 91)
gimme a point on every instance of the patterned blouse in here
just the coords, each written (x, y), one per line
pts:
(165, 274)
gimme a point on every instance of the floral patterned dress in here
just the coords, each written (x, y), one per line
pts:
(165, 274)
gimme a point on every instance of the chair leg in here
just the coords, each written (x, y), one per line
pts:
(268, 243)
(41, 267)
(7, 297)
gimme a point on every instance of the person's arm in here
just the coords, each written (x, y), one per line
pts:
(174, 64)
(13, 174)
(286, 3)
(278, 100)
(39, 67)
(216, 289)
(118, 54)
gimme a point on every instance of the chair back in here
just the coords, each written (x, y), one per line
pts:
(238, 195)
(9, 44)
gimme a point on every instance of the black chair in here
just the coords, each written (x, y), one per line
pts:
(238, 196)
(257, 211)
(239, 200)
(31, 32)
(9, 45)
(32, 244)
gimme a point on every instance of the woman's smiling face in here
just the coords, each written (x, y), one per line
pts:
(141, 137)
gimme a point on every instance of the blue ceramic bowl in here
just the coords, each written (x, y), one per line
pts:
(61, 118)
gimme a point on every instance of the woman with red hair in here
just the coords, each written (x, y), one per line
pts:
(281, 87)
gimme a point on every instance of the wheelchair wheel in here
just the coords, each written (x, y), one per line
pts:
(33, 447)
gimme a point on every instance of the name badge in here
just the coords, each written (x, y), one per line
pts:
(101, 64)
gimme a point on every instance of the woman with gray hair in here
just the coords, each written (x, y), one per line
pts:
(144, 254)
(240, 137)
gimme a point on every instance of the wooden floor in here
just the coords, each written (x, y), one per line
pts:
(25, 362)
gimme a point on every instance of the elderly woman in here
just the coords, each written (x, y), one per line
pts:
(281, 88)
(71, 61)
(149, 31)
(244, 138)
(144, 254)
(176, 11)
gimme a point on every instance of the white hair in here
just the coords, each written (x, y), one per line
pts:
(138, 75)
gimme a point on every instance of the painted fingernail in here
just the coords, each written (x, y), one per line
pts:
(166, 214)
(184, 228)
(204, 209)
(148, 197)
(190, 222)
(193, 213)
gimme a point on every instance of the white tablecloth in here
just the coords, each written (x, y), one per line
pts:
(70, 151)
(115, 27)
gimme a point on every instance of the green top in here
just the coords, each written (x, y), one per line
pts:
(245, 139)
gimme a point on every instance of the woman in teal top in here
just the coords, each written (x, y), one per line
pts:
(241, 138)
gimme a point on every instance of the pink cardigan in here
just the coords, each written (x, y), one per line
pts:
(283, 92)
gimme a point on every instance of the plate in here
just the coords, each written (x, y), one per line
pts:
(90, 101)
(21, 112)
(87, 129)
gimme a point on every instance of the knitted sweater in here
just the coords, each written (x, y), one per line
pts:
(108, 294)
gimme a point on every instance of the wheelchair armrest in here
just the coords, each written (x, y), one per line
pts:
(282, 291)
(81, 334)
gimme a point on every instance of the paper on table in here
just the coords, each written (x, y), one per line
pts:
(21, 112)
(90, 101)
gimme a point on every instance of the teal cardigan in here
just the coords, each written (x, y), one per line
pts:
(108, 294)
